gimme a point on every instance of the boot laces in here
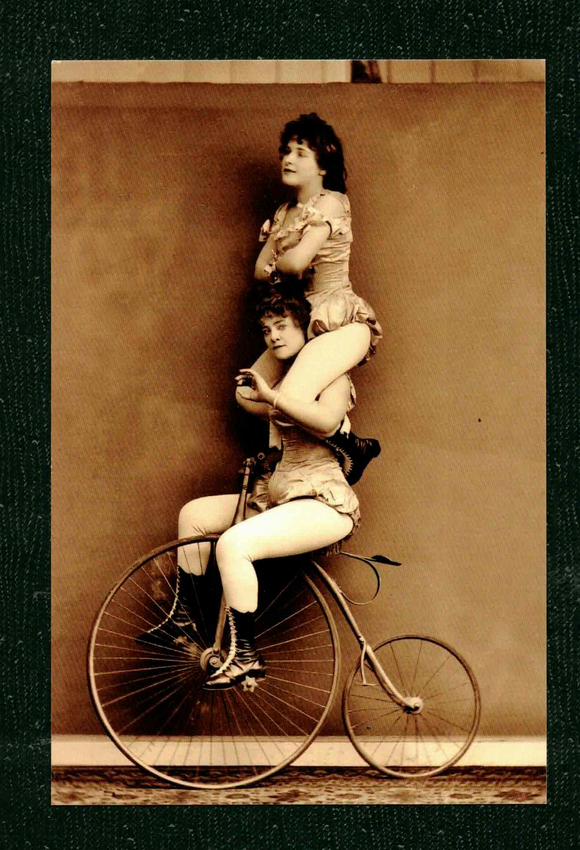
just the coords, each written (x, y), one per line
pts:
(233, 646)
(175, 605)
(346, 457)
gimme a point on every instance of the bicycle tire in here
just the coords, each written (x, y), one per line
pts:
(403, 744)
(149, 697)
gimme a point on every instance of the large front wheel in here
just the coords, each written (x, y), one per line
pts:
(433, 730)
(153, 645)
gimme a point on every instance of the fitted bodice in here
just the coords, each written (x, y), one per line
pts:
(329, 269)
(303, 457)
(327, 284)
(308, 469)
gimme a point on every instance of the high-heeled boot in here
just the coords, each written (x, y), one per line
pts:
(355, 453)
(243, 663)
(179, 625)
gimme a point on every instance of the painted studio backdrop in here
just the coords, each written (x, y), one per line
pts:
(159, 192)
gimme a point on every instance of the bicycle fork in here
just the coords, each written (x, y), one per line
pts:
(411, 705)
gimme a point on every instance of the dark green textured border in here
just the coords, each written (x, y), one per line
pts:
(31, 35)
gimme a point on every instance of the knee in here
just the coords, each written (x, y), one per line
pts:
(361, 332)
(191, 519)
(232, 546)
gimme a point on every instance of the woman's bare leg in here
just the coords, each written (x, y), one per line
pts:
(302, 525)
(268, 367)
(324, 359)
(208, 515)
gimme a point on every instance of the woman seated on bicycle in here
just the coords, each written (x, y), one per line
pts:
(303, 506)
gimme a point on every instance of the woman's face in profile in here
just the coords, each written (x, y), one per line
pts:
(298, 163)
(283, 336)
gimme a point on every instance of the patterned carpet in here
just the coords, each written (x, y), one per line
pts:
(304, 786)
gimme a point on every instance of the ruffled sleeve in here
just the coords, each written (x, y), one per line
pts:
(265, 231)
(313, 217)
(272, 227)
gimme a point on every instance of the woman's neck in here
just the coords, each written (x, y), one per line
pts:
(304, 193)
(285, 364)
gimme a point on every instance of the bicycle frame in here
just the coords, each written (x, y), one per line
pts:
(148, 691)
(366, 650)
(411, 705)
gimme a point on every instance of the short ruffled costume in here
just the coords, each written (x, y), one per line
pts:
(308, 469)
(329, 290)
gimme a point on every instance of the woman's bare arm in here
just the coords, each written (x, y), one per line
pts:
(296, 260)
(265, 257)
(256, 408)
(271, 370)
(321, 417)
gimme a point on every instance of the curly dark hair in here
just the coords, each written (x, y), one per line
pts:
(282, 299)
(322, 139)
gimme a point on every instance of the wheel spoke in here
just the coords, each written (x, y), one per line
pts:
(288, 705)
(294, 670)
(387, 734)
(302, 685)
(155, 705)
(150, 695)
(386, 714)
(295, 640)
(273, 601)
(445, 720)
(289, 617)
(141, 649)
(125, 670)
(200, 604)
(431, 733)
(248, 711)
(303, 649)
(154, 679)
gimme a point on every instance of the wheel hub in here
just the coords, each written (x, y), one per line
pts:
(414, 705)
(209, 658)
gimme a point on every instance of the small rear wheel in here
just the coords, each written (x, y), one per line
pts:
(149, 655)
(431, 733)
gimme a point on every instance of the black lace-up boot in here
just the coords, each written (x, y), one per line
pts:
(179, 625)
(355, 453)
(243, 663)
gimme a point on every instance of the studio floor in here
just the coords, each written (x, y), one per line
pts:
(127, 786)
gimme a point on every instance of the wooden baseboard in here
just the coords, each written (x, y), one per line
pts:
(325, 751)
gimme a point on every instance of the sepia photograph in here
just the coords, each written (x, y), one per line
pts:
(298, 432)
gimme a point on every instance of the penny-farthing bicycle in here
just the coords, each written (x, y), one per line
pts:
(411, 704)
